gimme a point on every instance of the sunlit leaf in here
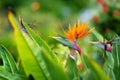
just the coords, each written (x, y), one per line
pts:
(40, 42)
(29, 63)
(52, 69)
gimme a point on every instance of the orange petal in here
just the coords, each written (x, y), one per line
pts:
(70, 37)
(85, 27)
(79, 35)
(79, 28)
(75, 30)
(86, 33)
(90, 30)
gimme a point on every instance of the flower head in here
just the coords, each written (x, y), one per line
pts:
(78, 31)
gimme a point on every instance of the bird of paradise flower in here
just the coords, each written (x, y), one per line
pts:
(79, 30)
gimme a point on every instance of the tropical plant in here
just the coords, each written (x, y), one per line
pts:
(39, 62)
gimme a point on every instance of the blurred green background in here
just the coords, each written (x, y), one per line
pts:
(47, 17)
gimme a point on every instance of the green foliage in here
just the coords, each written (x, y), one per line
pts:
(109, 65)
(5, 75)
(38, 61)
(116, 56)
(71, 69)
(40, 42)
(10, 70)
(8, 61)
(44, 62)
(28, 61)
(47, 60)
(96, 71)
(64, 41)
(107, 18)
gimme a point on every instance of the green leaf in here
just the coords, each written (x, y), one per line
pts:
(96, 73)
(54, 69)
(99, 45)
(8, 61)
(65, 42)
(50, 65)
(10, 76)
(40, 42)
(71, 69)
(28, 60)
(116, 56)
(108, 65)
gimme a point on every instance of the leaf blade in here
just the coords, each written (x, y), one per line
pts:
(71, 69)
(40, 41)
(9, 76)
(28, 61)
(116, 56)
(96, 71)
(52, 69)
(10, 64)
